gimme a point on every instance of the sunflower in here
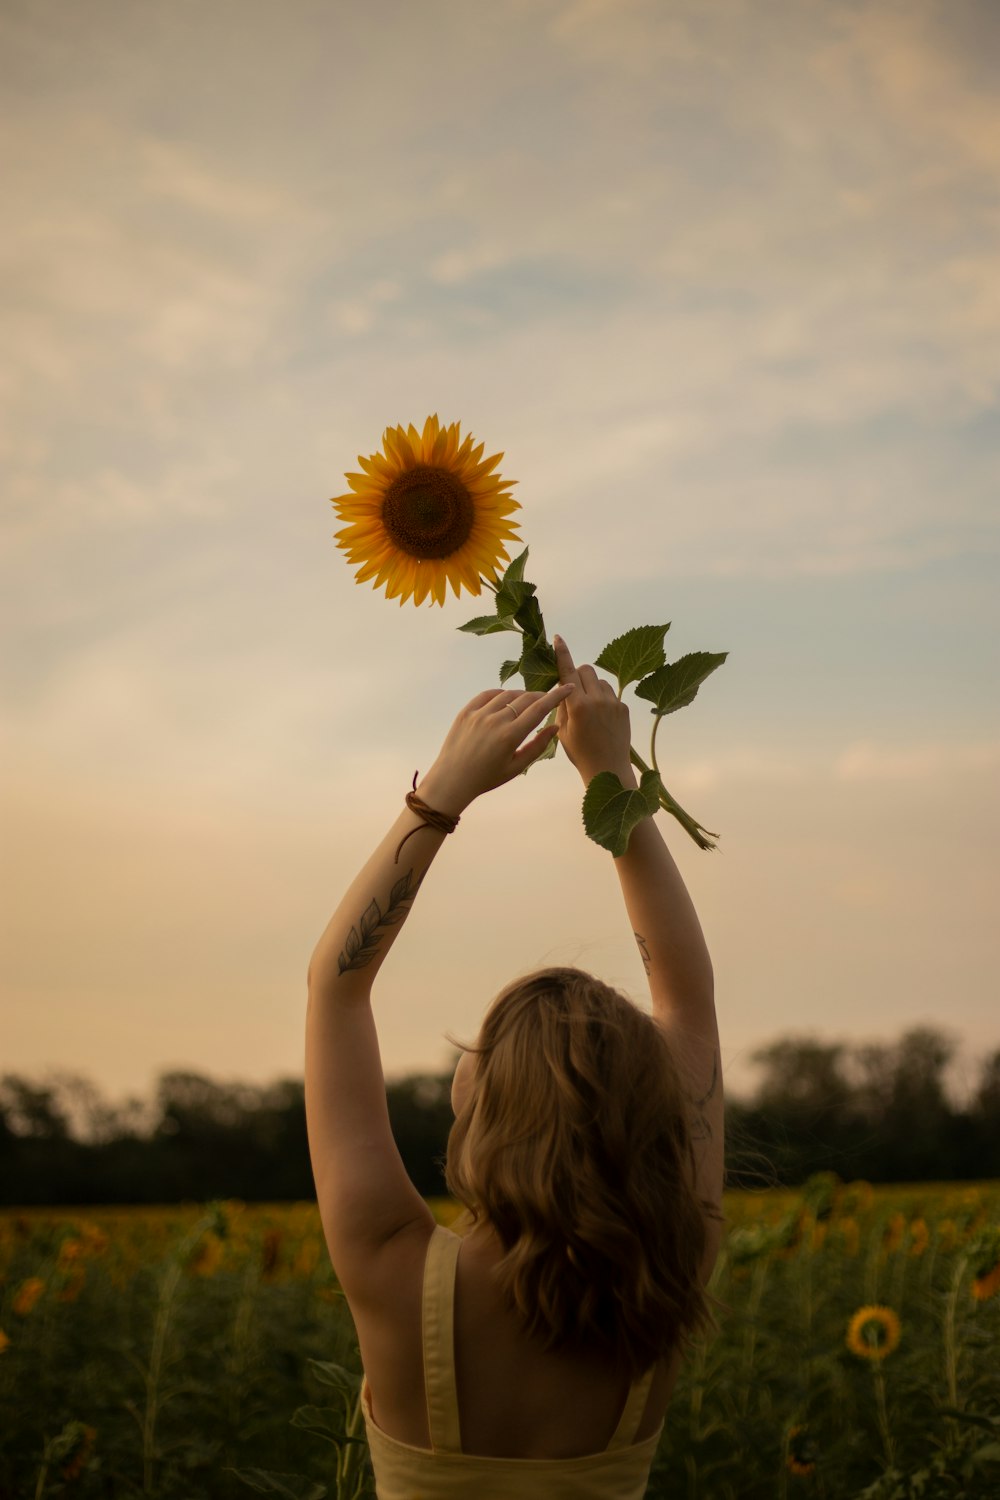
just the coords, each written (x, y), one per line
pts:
(207, 1256)
(427, 511)
(27, 1295)
(873, 1332)
(802, 1452)
(892, 1234)
(920, 1236)
(986, 1282)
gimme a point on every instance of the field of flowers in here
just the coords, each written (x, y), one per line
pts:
(205, 1351)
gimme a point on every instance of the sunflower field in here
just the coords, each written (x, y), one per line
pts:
(205, 1350)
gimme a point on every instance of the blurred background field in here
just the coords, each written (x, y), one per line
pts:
(205, 1350)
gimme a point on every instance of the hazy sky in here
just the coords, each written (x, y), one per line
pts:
(721, 280)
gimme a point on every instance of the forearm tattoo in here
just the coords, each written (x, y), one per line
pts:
(701, 1130)
(360, 950)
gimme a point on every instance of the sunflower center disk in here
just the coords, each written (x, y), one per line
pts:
(428, 512)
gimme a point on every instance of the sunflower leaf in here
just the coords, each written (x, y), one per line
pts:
(551, 747)
(634, 654)
(515, 570)
(512, 598)
(290, 1486)
(611, 811)
(325, 1422)
(328, 1373)
(538, 666)
(529, 617)
(676, 685)
(488, 625)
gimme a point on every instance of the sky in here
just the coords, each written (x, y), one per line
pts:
(721, 282)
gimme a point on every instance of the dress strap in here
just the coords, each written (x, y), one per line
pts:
(438, 1330)
(635, 1404)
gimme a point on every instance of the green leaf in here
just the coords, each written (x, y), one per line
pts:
(611, 811)
(515, 569)
(551, 747)
(634, 654)
(538, 667)
(676, 685)
(328, 1373)
(529, 617)
(971, 1418)
(511, 596)
(291, 1486)
(325, 1421)
(487, 625)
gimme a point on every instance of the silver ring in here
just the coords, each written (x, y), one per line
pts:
(512, 709)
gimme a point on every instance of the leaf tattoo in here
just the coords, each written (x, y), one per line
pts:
(701, 1130)
(359, 951)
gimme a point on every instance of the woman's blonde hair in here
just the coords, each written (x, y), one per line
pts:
(573, 1144)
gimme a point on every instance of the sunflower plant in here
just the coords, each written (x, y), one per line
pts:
(429, 510)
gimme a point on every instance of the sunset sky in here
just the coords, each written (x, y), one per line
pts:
(721, 280)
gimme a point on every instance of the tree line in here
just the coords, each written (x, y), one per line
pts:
(877, 1111)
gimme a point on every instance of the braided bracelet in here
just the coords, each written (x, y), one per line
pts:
(444, 822)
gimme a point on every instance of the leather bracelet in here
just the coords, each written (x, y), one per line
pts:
(443, 822)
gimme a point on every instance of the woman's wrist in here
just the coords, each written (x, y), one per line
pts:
(625, 774)
(443, 791)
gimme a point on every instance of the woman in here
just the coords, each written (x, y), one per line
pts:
(535, 1353)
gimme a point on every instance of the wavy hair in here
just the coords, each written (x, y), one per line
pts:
(574, 1145)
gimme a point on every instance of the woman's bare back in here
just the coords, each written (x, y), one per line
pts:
(514, 1400)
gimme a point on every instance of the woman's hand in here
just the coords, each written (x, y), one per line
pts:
(483, 747)
(595, 729)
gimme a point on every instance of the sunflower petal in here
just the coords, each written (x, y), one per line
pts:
(376, 466)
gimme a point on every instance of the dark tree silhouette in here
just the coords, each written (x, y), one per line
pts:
(877, 1111)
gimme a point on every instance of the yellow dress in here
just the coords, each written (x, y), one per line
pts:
(403, 1472)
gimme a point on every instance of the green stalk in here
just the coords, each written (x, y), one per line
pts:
(702, 836)
(750, 1337)
(43, 1471)
(883, 1416)
(237, 1362)
(349, 1473)
(694, 1428)
(168, 1288)
(950, 1343)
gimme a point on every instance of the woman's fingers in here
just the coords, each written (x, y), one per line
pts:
(529, 707)
(585, 677)
(564, 660)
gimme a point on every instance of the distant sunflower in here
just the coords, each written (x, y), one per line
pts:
(427, 511)
(27, 1295)
(802, 1452)
(920, 1236)
(986, 1282)
(873, 1332)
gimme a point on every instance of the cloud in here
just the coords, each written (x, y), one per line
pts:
(914, 763)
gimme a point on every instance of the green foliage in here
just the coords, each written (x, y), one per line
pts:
(637, 656)
(676, 684)
(168, 1371)
(632, 655)
(611, 811)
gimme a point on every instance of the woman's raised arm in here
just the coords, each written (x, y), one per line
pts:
(595, 731)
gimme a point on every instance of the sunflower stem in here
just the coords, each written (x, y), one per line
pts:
(702, 836)
(883, 1415)
(950, 1345)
